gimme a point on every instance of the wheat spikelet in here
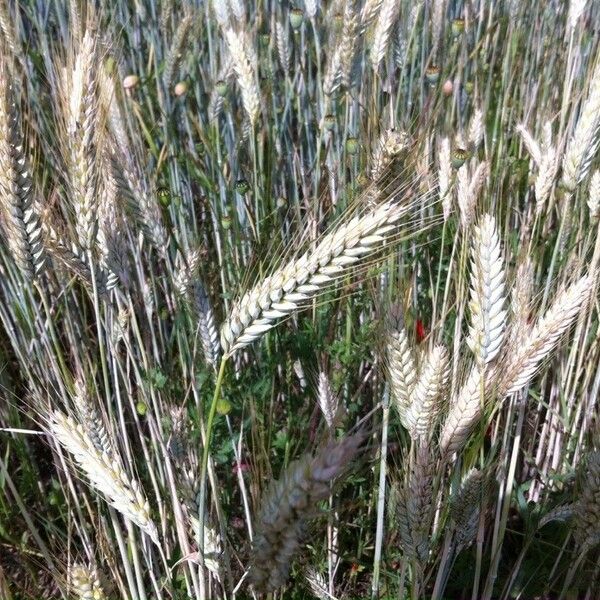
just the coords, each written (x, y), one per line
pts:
(465, 412)
(339, 68)
(90, 420)
(287, 506)
(545, 178)
(402, 371)
(82, 124)
(86, 583)
(385, 22)
(466, 504)
(576, 8)
(544, 337)
(176, 50)
(369, 12)
(242, 65)
(584, 142)
(328, 401)
(283, 48)
(23, 227)
(291, 286)
(476, 129)
(206, 323)
(415, 505)
(467, 189)
(186, 273)
(389, 146)
(105, 473)
(593, 200)
(586, 511)
(425, 398)
(532, 146)
(488, 317)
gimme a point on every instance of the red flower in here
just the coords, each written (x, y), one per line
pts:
(419, 330)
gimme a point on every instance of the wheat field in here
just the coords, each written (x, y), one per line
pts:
(299, 299)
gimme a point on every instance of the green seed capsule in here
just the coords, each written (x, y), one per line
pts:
(328, 122)
(432, 74)
(223, 406)
(164, 196)
(296, 18)
(141, 408)
(242, 186)
(469, 87)
(221, 87)
(226, 222)
(352, 145)
(459, 156)
(458, 26)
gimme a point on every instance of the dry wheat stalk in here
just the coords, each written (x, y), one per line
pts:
(385, 22)
(105, 472)
(293, 285)
(244, 71)
(426, 395)
(526, 359)
(23, 226)
(206, 323)
(415, 510)
(287, 506)
(445, 177)
(488, 316)
(583, 143)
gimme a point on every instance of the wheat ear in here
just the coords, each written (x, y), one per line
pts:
(593, 201)
(544, 337)
(488, 315)
(466, 504)
(23, 227)
(82, 126)
(244, 71)
(339, 68)
(293, 285)
(105, 472)
(385, 23)
(586, 514)
(486, 333)
(425, 398)
(415, 505)
(289, 503)
(584, 142)
(176, 50)
(328, 401)
(402, 371)
(206, 323)
(86, 583)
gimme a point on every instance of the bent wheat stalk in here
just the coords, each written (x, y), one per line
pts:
(293, 285)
